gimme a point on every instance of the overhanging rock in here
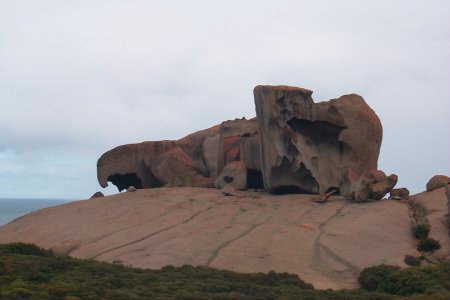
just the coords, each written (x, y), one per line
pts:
(319, 147)
(293, 146)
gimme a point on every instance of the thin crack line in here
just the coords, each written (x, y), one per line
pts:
(151, 234)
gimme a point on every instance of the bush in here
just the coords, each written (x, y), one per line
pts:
(24, 249)
(17, 293)
(428, 245)
(36, 277)
(421, 231)
(370, 278)
(404, 282)
(412, 260)
(431, 280)
(393, 280)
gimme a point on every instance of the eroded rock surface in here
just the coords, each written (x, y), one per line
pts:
(437, 181)
(293, 146)
(436, 204)
(196, 160)
(317, 147)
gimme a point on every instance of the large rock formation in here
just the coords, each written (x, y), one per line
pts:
(325, 244)
(294, 145)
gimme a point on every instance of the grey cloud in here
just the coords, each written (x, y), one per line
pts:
(84, 76)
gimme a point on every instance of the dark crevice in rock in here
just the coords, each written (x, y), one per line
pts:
(298, 181)
(228, 179)
(123, 181)
(318, 132)
(288, 189)
(333, 190)
(254, 179)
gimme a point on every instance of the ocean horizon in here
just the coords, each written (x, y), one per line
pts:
(13, 208)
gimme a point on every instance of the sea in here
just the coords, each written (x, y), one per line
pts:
(11, 209)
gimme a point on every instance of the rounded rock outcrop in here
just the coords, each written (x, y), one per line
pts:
(437, 181)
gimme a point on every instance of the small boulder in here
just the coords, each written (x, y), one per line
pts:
(97, 195)
(437, 182)
(399, 194)
(131, 189)
(374, 186)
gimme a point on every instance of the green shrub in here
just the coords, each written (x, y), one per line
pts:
(59, 290)
(41, 277)
(393, 280)
(428, 245)
(412, 260)
(434, 279)
(421, 231)
(370, 278)
(24, 249)
(404, 282)
(18, 293)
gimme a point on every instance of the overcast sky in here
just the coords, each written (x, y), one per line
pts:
(80, 77)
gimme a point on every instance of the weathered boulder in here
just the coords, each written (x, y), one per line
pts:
(97, 195)
(372, 186)
(399, 194)
(317, 147)
(195, 160)
(437, 182)
(294, 145)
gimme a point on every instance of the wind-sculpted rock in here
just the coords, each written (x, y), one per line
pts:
(373, 186)
(293, 145)
(437, 182)
(195, 160)
(319, 147)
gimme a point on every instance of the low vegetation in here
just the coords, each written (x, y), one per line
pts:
(433, 279)
(428, 245)
(29, 272)
(421, 231)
